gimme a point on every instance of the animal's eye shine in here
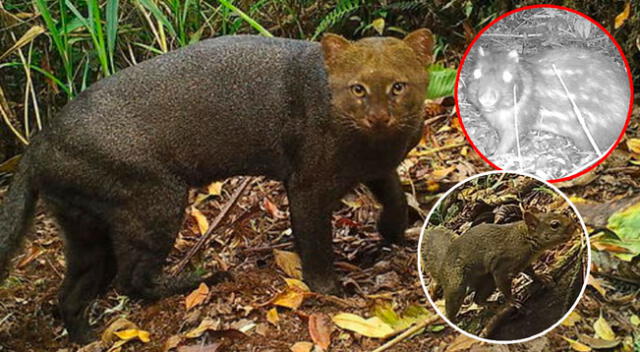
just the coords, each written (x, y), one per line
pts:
(555, 224)
(358, 90)
(398, 88)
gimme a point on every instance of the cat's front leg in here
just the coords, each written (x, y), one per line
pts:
(311, 205)
(394, 216)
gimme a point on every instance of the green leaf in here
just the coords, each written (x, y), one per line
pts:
(441, 81)
(155, 10)
(247, 19)
(626, 224)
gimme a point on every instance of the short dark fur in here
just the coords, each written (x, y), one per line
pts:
(115, 166)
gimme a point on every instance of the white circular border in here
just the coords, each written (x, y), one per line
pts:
(584, 238)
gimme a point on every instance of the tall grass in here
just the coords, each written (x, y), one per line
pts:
(86, 40)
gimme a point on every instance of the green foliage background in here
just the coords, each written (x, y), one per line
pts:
(83, 41)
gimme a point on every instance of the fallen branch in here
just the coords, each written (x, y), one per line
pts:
(410, 331)
(221, 216)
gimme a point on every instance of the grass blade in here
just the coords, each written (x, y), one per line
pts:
(155, 10)
(247, 19)
(112, 30)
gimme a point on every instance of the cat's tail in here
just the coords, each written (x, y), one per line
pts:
(16, 213)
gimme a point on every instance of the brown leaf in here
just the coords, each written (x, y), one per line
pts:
(34, 252)
(272, 209)
(200, 348)
(461, 343)
(302, 346)
(320, 329)
(171, 343)
(197, 296)
(289, 262)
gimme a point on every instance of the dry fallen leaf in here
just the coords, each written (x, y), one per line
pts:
(272, 316)
(205, 324)
(215, 189)
(109, 337)
(131, 334)
(461, 343)
(172, 342)
(577, 346)
(372, 327)
(213, 347)
(320, 330)
(34, 252)
(289, 262)
(203, 223)
(302, 346)
(291, 298)
(623, 16)
(596, 283)
(571, 319)
(197, 296)
(272, 209)
(26, 38)
(603, 329)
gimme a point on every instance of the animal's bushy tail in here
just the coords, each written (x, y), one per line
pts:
(15, 215)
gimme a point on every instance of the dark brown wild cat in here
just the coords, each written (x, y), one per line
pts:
(114, 167)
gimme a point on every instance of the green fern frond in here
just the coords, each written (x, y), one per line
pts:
(343, 9)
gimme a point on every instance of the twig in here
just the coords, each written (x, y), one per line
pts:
(204, 238)
(576, 110)
(439, 149)
(410, 331)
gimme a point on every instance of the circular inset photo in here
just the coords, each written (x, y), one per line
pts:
(544, 90)
(503, 257)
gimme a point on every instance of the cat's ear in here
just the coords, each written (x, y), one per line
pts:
(332, 46)
(421, 41)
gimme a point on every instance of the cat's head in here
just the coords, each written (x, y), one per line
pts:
(378, 84)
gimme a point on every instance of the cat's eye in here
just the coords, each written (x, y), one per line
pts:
(358, 90)
(555, 224)
(398, 88)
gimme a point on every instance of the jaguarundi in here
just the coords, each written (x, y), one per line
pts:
(114, 167)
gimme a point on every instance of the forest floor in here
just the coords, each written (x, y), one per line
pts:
(249, 312)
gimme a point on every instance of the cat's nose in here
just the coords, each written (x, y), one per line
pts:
(380, 119)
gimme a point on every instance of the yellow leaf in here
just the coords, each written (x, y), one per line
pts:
(197, 296)
(144, 336)
(577, 346)
(109, 336)
(289, 262)
(378, 25)
(635, 320)
(622, 17)
(26, 38)
(302, 346)
(272, 316)
(203, 223)
(289, 299)
(603, 329)
(571, 319)
(205, 324)
(215, 189)
(127, 334)
(595, 283)
(372, 327)
(293, 283)
(634, 145)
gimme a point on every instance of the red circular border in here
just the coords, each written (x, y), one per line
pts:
(626, 63)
